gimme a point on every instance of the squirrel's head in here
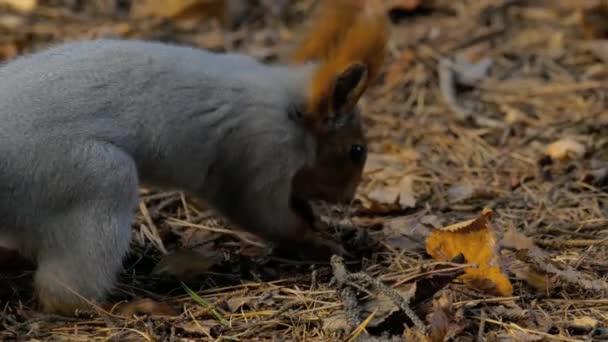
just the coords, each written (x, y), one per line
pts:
(347, 42)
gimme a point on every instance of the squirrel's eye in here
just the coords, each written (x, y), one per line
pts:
(357, 154)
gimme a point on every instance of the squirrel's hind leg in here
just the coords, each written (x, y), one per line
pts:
(85, 245)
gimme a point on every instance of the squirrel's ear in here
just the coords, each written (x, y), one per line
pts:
(348, 87)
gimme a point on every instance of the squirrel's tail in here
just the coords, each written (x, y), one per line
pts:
(344, 33)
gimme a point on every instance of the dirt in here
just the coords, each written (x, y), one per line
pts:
(525, 135)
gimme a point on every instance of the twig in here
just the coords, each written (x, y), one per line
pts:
(348, 295)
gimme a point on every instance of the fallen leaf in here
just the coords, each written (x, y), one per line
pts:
(198, 326)
(145, 306)
(415, 335)
(535, 267)
(407, 198)
(440, 325)
(20, 5)
(405, 233)
(559, 272)
(585, 322)
(564, 149)
(477, 242)
(383, 306)
(390, 189)
(383, 194)
(465, 191)
(533, 277)
(516, 240)
(336, 323)
(236, 303)
(460, 192)
(185, 264)
(432, 220)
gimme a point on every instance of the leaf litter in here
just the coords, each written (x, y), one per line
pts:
(494, 103)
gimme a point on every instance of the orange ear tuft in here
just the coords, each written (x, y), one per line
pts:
(345, 33)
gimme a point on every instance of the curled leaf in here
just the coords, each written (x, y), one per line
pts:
(477, 242)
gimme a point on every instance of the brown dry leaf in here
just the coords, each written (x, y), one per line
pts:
(533, 277)
(534, 266)
(336, 323)
(20, 5)
(198, 327)
(432, 220)
(405, 233)
(384, 306)
(477, 242)
(516, 240)
(392, 192)
(145, 306)
(380, 305)
(560, 272)
(415, 335)
(383, 194)
(178, 9)
(387, 182)
(564, 149)
(585, 322)
(236, 303)
(440, 319)
(185, 264)
(407, 198)
(465, 191)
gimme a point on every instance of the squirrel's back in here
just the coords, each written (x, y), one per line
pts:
(113, 89)
(160, 103)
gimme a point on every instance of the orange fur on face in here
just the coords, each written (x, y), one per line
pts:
(345, 32)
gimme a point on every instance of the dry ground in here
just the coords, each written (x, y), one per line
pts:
(449, 153)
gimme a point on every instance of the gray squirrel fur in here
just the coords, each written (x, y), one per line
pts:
(84, 123)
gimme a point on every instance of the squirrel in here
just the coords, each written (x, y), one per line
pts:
(85, 123)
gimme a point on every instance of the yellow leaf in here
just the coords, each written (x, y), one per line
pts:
(477, 242)
(565, 149)
(585, 322)
(20, 5)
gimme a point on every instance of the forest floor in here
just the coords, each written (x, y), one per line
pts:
(490, 106)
